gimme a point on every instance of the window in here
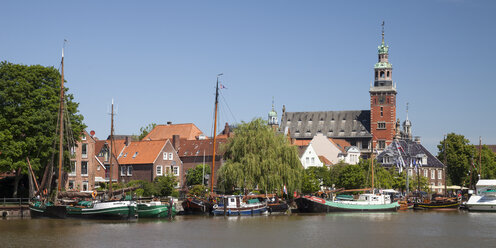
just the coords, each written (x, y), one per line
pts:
(170, 155)
(83, 137)
(71, 184)
(433, 174)
(130, 170)
(439, 174)
(73, 151)
(84, 168)
(365, 145)
(313, 160)
(382, 112)
(159, 169)
(424, 160)
(123, 171)
(381, 125)
(381, 144)
(73, 168)
(165, 156)
(135, 154)
(307, 160)
(84, 151)
(426, 173)
(386, 160)
(175, 170)
(382, 74)
(85, 186)
(167, 170)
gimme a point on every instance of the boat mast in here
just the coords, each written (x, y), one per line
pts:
(372, 165)
(61, 125)
(111, 147)
(480, 157)
(215, 133)
(445, 167)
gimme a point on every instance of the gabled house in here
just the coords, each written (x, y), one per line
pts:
(90, 162)
(309, 157)
(148, 159)
(411, 152)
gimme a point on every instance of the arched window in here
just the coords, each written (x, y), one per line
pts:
(375, 74)
(382, 74)
(388, 74)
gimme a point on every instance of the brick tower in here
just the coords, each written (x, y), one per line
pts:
(382, 100)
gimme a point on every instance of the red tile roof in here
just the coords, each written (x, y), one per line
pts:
(325, 160)
(185, 131)
(142, 152)
(341, 144)
(301, 142)
(188, 148)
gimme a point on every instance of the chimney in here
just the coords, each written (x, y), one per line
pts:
(226, 129)
(175, 141)
(127, 141)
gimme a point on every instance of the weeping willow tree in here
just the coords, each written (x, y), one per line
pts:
(259, 158)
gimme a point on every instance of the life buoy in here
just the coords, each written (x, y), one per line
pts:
(93, 194)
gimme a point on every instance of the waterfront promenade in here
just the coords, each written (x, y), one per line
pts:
(401, 229)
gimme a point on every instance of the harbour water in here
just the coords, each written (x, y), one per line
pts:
(401, 229)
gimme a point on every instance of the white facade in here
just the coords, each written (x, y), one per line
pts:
(324, 147)
(351, 156)
(310, 158)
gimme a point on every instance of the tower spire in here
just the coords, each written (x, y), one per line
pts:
(382, 32)
(272, 103)
(407, 110)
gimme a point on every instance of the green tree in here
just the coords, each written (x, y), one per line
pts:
(198, 190)
(488, 163)
(194, 175)
(351, 177)
(29, 106)
(164, 185)
(259, 157)
(314, 178)
(460, 155)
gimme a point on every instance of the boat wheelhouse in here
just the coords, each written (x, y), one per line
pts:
(234, 205)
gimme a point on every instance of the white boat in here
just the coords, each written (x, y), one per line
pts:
(485, 197)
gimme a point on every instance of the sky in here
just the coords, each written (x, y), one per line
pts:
(159, 60)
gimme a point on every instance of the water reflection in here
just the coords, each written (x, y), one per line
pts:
(406, 229)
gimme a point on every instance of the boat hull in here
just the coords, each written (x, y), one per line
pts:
(240, 211)
(197, 206)
(437, 205)
(319, 205)
(107, 210)
(160, 211)
(43, 211)
(481, 203)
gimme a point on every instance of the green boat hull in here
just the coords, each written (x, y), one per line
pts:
(118, 212)
(161, 211)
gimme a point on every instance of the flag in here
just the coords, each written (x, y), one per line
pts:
(222, 86)
(285, 189)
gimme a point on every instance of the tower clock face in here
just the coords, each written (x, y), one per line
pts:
(382, 99)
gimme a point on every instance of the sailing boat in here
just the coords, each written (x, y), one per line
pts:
(198, 204)
(113, 209)
(368, 202)
(43, 207)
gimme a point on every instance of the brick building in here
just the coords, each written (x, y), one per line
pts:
(148, 159)
(363, 129)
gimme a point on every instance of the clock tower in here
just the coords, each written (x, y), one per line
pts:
(382, 100)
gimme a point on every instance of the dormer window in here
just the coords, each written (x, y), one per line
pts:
(135, 154)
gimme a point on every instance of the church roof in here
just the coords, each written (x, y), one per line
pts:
(333, 124)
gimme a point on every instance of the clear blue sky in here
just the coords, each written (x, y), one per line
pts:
(159, 59)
